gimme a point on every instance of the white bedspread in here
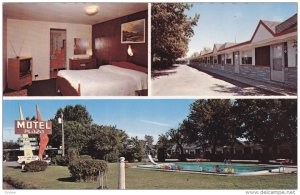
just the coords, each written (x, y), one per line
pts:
(108, 80)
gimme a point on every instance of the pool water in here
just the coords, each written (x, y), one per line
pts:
(211, 168)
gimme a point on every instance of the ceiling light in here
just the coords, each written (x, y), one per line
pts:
(91, 10)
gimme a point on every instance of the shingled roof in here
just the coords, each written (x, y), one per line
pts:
(288, 24)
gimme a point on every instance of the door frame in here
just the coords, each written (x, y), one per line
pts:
(277, 75)
(66, 50)
(236, 65)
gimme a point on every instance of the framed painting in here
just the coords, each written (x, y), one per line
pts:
(133, 32)
(80, 46)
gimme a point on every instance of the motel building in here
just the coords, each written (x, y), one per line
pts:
(269, 56)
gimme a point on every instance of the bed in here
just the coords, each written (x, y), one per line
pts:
(118, 79)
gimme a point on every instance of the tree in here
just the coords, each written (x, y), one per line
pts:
(177, 137)
(10, 145)
(209, 123)
(107, 143)
(195, 55)
(163, 144)
(80, 117)
(149, 139)
(171, 30)
(134, 149)
(76, 113)
(269, 123)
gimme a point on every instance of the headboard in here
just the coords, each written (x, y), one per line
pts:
(130, 65)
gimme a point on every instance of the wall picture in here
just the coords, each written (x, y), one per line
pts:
(80, 46)
(133, 32)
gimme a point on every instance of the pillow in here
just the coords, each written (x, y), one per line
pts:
(131, 66)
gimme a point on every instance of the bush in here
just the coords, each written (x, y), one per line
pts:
(87, 169)
(19, 184)
(86, 157)
(72, 154)
(36, 166)
(61, 160)
(113, 156)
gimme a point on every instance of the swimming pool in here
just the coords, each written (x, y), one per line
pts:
(217, 168)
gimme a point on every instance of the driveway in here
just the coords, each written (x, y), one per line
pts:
(182, 80)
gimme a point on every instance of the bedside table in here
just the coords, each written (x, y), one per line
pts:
(82, 64)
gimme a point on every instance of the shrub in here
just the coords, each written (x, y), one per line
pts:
(72, 154)
(87, 169)
(61, 160)
(82, 157)
(36, 166)
(19, 184)
(113, 156)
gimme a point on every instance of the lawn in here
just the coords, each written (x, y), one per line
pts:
(57, 177)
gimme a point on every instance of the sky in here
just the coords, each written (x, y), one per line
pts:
(136, 117)
(225, 22)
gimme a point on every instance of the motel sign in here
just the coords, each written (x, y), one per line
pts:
(33, 127)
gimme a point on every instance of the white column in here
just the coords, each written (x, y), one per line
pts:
(122, 174)
(253, 56)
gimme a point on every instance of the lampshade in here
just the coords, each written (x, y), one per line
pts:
(89, 52)
(129, 51)
(91, 10)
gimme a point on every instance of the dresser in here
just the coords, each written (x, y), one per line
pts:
(82, 64)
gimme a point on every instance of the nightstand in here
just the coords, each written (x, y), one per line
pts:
(82, 64)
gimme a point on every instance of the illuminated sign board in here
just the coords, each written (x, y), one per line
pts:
(33, 127)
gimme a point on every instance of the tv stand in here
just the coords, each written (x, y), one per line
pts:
(18, 76)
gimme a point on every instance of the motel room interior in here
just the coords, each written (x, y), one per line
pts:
(75, 49)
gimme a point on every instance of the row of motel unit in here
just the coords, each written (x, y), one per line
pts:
(270, 54)
(240, 149)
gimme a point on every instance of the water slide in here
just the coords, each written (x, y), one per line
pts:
(151, 159)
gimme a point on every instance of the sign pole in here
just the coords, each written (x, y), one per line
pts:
(63, 134)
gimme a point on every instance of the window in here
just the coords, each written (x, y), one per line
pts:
(228, 61)
(246, 60)
(246, 57)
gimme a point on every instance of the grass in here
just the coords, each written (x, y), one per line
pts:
(57, 177)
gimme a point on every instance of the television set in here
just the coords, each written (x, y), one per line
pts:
(25, 66)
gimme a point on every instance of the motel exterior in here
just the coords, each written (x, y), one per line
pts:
(241, 150)
(270, 55)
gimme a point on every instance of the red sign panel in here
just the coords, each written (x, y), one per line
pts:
(33, 127)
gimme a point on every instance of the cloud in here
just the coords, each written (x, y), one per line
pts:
(156, 123)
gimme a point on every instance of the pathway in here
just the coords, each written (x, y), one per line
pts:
(183, 80)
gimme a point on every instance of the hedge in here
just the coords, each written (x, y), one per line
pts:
(36, 166)
(19, 184)
(87, 169)
(61, 160)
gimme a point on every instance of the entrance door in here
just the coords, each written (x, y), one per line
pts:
(277, 63)
(58, 58)
(236, 56)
